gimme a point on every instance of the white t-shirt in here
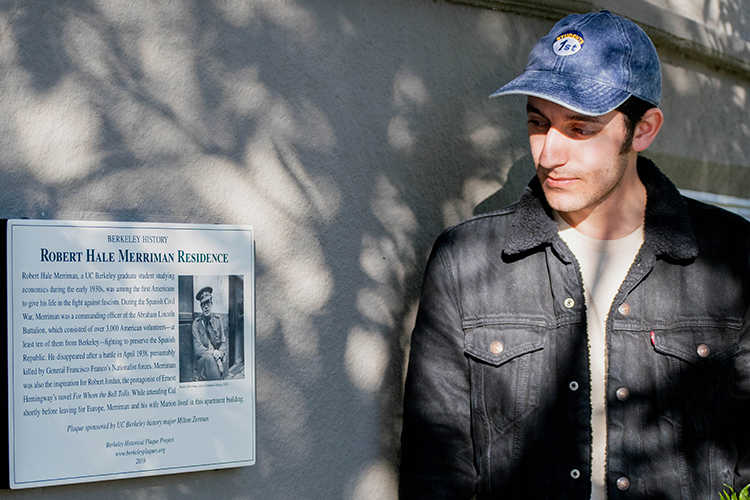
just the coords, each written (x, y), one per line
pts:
(604, 265)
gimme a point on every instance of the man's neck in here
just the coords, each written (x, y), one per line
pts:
(616, 217)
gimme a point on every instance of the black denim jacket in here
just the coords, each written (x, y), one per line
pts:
(497, 392)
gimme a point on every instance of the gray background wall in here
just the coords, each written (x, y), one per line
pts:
(349, 133)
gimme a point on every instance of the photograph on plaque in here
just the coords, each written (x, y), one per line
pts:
(125, 342)
(211, 328)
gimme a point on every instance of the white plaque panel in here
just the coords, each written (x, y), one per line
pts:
(130, 349)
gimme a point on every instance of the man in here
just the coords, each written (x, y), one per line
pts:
(590, 340)
(209, 341)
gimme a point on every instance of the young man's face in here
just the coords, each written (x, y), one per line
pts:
(206, 307)
(577, 157)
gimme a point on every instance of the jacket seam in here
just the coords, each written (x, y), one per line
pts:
(456, 291)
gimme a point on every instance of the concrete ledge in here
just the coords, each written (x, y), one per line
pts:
(666, 28)
(739, 206)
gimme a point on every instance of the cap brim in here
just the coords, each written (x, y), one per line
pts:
(581, 95)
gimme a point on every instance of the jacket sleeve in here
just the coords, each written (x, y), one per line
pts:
(741, 415)
(436, 446)
(199, 349)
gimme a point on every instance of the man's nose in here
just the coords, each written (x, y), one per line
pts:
(554, 150)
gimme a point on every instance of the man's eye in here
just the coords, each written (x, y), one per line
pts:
(583, 131)
(535, 123)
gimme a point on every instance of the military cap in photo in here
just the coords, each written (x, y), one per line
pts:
(204, 294)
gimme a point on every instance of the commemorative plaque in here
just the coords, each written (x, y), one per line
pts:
(130, 349)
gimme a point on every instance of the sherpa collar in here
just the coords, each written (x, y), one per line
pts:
(667, 228)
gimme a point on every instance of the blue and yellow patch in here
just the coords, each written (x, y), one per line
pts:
(568, 43)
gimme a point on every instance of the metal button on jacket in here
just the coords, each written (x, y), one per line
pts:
(703, 351)
(622, 394)
(575, 474)
(496, 347)
(573, 386)
(569, 302)
(624, 309)
(623, 483)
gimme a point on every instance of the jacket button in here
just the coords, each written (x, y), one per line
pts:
(569, 302)
(624, 309)
(496, 347)
(573, 386)
(703, 351)
(575, 474)
(623, 483)
(622, 394)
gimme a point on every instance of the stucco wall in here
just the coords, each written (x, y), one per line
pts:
(349, 133)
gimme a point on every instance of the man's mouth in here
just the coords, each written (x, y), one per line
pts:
(555, 182)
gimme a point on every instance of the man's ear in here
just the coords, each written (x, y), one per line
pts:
(647, 128)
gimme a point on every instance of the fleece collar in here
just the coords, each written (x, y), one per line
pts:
(667, 228)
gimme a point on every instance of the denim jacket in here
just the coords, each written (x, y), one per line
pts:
(497, 392)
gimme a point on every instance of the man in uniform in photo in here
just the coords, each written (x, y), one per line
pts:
(209, 341)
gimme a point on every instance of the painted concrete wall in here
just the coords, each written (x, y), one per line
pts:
(730, 17)
(350, 133)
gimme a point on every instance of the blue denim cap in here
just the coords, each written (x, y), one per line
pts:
(591, 64)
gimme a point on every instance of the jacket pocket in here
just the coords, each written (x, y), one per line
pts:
(701, 346)
(699, 368)
(505, 364)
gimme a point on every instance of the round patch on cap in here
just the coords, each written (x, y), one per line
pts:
(568, 43)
